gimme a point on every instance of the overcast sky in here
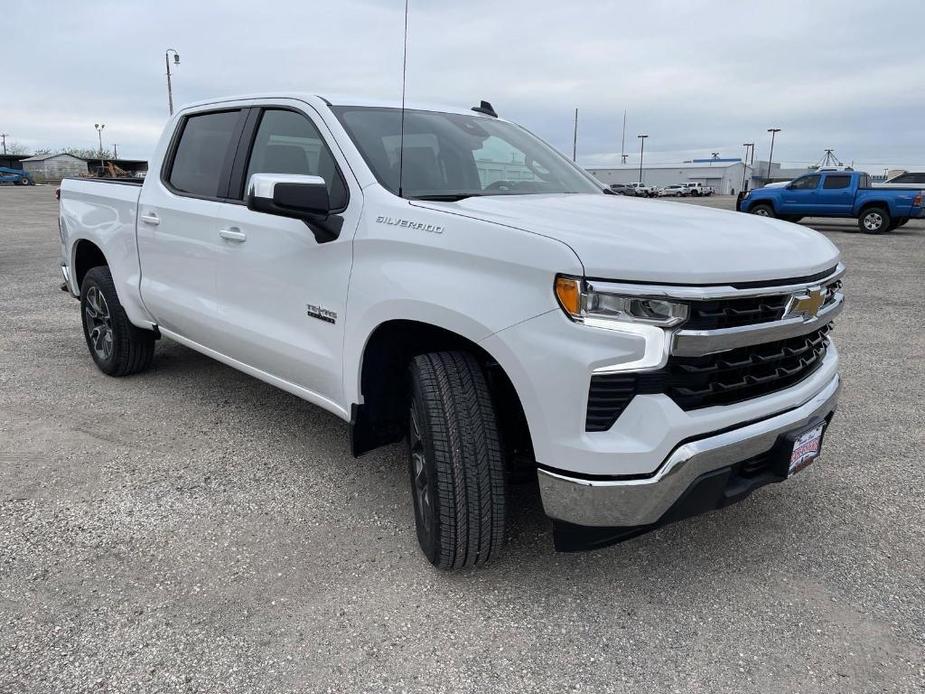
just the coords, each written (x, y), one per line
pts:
(697, 77)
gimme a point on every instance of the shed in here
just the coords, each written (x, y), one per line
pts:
(54, 167)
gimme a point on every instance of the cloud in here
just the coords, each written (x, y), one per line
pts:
(696, 76)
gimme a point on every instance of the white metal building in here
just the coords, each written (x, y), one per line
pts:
(725, 176)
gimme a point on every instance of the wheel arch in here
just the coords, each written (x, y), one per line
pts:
(86, 255)
(378, 416)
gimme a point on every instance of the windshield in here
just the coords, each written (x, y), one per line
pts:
(449, 156)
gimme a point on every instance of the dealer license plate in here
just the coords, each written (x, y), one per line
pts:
(806, 447)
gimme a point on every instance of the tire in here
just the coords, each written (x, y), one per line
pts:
(117, 347)
(763, 211)
(874, 220)
(456, 462)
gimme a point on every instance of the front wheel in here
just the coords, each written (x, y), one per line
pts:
(874, 220)
(763, 210)
(118, 347)
(456, 461)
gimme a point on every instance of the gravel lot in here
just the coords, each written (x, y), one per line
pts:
(193, 529)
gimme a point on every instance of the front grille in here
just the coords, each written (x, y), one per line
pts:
(715, 379)
(739, 374)
(731, 313)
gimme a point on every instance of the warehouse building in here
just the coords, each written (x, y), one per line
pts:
(54, 167)
(724, 175)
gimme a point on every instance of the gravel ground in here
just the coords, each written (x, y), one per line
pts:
(193, 529)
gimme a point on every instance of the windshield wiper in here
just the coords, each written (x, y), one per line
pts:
(446, 197)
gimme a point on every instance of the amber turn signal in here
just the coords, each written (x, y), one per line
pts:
(568, 292)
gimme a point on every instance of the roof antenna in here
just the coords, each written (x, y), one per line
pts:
(404, 72)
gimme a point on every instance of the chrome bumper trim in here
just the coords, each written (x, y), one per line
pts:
(696, 343)
(669, 291)
(632, 502)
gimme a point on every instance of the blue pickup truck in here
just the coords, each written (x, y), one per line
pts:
(837, 194)
(16, 176)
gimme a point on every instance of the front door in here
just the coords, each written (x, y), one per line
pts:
(284, 293)
(800, 195)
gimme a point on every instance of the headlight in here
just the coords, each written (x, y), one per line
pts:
(586, 305)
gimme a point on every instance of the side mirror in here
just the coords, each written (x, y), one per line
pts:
(288, 195)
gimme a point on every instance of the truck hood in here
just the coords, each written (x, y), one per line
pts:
(622, 238)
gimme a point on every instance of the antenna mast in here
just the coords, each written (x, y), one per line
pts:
(404, 72)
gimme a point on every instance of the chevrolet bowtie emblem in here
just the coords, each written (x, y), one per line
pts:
(806, 303)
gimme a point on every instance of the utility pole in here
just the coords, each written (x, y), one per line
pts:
(575, 137)
(642, 150)
(773, 132)
(3, 137)
(176, 61)
(115, 151)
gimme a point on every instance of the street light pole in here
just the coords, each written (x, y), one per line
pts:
(115, 151)
(99, 131)
(3, 137)
(773, 132)
(176, 61)
(575, 137)
(747, 145)
(642, 149)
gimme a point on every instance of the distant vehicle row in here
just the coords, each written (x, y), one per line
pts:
(678, 190)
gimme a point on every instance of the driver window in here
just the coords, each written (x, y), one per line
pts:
(498, 160)
(289, 143)
(805, 183)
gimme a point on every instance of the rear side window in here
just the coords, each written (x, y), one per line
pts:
(200, 155)
(289, 143)
(835, 182)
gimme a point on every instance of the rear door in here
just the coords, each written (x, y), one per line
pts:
(836, 196)
(178, 244)
(284, 293)
(800, 196)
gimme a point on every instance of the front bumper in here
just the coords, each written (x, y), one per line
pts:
(644, 500)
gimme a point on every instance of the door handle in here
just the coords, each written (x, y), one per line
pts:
(233, 234)
(150, 218)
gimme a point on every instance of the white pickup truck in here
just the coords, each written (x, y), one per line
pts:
(643, 361)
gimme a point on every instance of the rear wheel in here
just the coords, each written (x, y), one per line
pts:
(874, 220)
(763, 210)
(118, 347)
(456, 461)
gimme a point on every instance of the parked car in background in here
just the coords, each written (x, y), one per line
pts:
(837, 194)
(677, 190)
(623, 189)
(697, 189)
(644, 191)
(16, 177)
(640, 366)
